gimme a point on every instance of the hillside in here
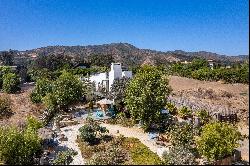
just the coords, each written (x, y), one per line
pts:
(125, 53)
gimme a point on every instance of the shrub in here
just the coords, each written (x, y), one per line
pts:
(19, 146)
(179, 155)
(5, 110)
(3, 70)
(64, 157)
(10, 83)
(182, 134)
(91, 131)
(112, 154)
(218, 140)
(139, 153)
(33, 123)
(122, 120)
(185, 112)
(43, 86)
(67, 89)
(203, 115)
(171, 108)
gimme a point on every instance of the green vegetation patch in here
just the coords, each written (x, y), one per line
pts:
(127, 151)
(140, 154)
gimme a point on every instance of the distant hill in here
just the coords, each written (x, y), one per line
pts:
(125, 53)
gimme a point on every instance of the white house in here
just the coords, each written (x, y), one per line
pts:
(106, 79)
(211, 63)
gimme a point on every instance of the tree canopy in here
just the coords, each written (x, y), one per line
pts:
(146, 95)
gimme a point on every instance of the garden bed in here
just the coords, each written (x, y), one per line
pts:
(131, 151)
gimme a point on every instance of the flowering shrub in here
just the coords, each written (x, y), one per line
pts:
(179, 155)
(182, 134)
(218, 140)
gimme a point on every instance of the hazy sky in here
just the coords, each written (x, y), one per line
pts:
(219, 26)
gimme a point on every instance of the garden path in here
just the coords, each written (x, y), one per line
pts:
(132, 132)
(71, 133)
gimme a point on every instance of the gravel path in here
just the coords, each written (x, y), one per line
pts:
(132, 132)
(71, 133)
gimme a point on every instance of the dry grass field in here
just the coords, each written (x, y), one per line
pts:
(21, 106)
(231, 96)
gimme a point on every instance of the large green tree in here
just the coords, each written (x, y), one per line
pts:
(43, 86)
(146, 95)
(66, 90)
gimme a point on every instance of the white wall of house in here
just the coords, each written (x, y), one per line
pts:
(107, 79)
(127, 74)
(115, 72)
(98, 78)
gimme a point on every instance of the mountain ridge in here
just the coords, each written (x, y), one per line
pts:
(128, 54)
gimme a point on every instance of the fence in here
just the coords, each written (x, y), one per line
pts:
(225, 117)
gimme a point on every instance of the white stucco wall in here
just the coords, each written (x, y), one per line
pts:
(115, 72)
(97, 78)
(127, 74)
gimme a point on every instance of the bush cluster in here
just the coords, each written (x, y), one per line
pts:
(5, 109)
(18, 147)
(58, 94)
(64, 157)
(9, 81)
(200, 70)
(91, 132)
(218, 140)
